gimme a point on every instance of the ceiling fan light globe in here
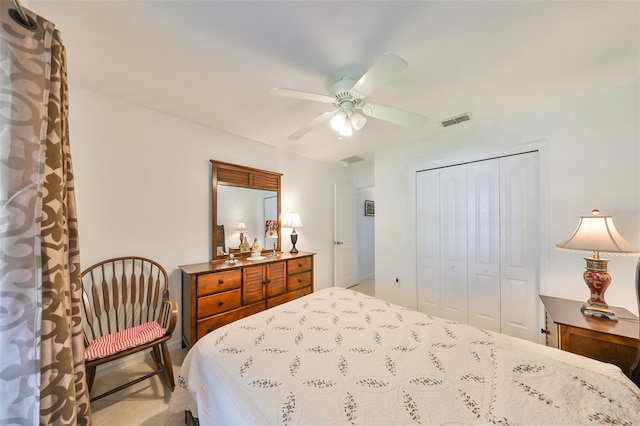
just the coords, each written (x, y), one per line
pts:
(338, 121)
(358, 121)
(346, 129)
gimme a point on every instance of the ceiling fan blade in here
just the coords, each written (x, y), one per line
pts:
(394, 115)
(298, 94)
(385, 68)
(313, 123)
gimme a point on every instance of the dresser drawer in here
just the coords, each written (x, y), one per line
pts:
(295, 266)
(218, 303)
(209, 324)
(297, 281)
(219, 281)
(288, 297)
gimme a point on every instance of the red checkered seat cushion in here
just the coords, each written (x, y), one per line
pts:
(122, 340)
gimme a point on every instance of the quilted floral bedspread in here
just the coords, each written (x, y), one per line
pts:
(340, 357)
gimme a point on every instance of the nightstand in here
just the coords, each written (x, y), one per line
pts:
(608, 341)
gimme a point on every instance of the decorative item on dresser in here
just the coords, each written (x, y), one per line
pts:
(597, 234)
(292, 221)
(615, 342)
(217, 293)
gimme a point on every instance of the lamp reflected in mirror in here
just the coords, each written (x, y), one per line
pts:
(242, 228)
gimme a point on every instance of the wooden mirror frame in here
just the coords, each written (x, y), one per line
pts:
(241, 177)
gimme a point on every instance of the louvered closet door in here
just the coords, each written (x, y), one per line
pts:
(519, 242)
(483, 206)
(453, 243)
(428, 244)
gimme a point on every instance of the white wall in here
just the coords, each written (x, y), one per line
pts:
(366, 235)
(590, 158)
(143, 187)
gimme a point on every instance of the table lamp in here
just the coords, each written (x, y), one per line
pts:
(292, 220)
(597, 234)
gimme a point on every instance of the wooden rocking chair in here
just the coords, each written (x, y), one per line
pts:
(127, 310)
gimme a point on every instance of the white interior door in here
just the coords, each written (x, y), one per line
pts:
(345, 241)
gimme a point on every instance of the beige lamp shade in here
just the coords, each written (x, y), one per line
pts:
(241, 227)
(292, 220)
(598, 234)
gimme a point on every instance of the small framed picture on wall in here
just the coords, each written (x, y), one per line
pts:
(369, 208)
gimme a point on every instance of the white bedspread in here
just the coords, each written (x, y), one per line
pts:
(340, 357)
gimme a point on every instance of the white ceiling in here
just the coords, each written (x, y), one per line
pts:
(214, 62)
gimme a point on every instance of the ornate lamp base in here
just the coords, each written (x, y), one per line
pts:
(294, 240)
(598, 311)
(597, 279)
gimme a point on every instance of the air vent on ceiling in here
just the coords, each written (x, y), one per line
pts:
(457, 119)
(352, 159)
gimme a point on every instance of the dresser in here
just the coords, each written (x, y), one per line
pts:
(608, 341)
(217, 293)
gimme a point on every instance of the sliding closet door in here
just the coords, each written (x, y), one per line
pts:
(428, 244)
(519, 242)
(483, 195)
(453, 243)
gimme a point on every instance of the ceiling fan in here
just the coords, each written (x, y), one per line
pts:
(347, 96)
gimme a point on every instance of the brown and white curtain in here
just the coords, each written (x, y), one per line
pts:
(42, 375)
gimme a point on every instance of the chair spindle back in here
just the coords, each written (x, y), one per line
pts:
(121, 293)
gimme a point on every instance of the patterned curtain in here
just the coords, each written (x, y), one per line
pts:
(42, 375)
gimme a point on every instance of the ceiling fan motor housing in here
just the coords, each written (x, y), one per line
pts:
(346, 100)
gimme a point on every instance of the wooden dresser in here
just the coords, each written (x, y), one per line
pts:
(216, 293)
(608, 341)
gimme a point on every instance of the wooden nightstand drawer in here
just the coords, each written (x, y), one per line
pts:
(217, 303)
(218, 282)
(617, 350)
(295, 266)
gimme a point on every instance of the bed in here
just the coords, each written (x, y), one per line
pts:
(338, 356)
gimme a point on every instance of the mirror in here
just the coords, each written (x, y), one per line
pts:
(249, 196)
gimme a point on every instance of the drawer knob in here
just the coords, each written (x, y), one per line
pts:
(299, 280)
(209, 330)
(220, 282)
(220, 303)
(299, 265)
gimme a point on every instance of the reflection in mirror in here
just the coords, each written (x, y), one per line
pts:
(257, 209)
